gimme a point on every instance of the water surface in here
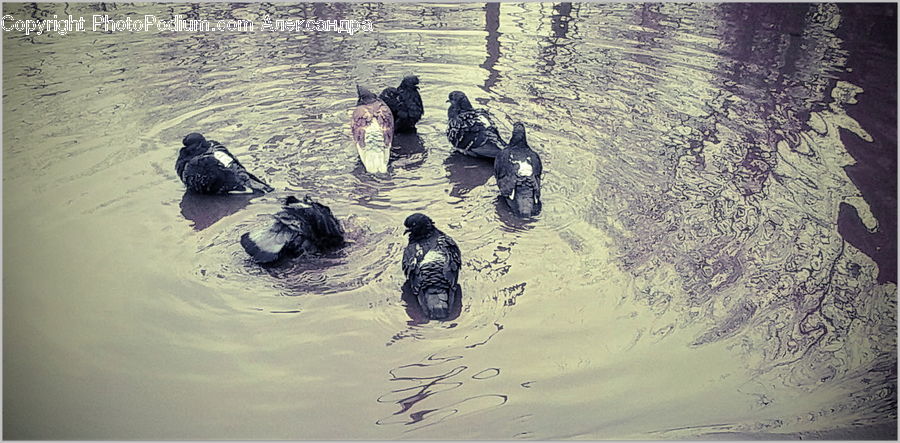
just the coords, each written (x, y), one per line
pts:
(716, 254)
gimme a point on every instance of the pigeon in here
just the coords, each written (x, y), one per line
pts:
(472, 131)
(372, 125)
(300, 227)
(206, 167)
(431, 263)
(518, 171)
(405, 103)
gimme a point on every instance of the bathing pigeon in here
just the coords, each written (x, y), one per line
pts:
(205, 166)
(405, 103)
(372, 125)
(300, 227)
(472, 131)
(431, 263)
(518, 171)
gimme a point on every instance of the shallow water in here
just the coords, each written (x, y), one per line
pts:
(687, 275)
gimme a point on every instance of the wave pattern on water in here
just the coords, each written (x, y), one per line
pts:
(696, 160)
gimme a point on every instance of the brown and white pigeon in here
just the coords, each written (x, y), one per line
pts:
(372, 126)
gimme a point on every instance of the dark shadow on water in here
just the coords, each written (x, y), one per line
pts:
(206, 210)
(467, 173)
(869, 34)
(880, 245)
(307, 273)
(408, 150)
(414, 311)
(511, 222)
(368, 189)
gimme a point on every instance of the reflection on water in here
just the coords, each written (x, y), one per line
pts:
(204, 210)
(408, 151)
(466, 173)
(688, 274)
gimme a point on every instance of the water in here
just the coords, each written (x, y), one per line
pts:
(688, 275)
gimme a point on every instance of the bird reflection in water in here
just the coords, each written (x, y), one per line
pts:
(408, 150)
(467, 173)
(511, 221)
(206, 210)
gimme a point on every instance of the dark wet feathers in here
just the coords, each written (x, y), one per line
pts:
(300, 227)
(518, 170)
(506, 167)
(473, 133)
(443, 272)
(209, 168)
(405, 104)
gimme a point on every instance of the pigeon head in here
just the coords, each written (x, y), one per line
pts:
(193, 139)
(418, 226)
(410, 81)
(518, 135)
(297, 203)
(459, 99)
(458, 103)
(365, 96)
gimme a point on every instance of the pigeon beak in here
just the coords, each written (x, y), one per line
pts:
(448, 100)
(406, 231)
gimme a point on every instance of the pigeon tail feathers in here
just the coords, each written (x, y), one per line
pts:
(265, 245)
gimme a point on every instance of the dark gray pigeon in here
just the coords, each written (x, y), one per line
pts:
(518, 170)
(405, 103)
(431, 263)
(301, 227)
(206, 167)
(472, 131)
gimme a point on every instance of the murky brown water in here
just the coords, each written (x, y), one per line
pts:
(687, 275)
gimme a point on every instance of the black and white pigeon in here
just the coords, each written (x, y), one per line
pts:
(206, 167)
(472, 131)
(301, 227)
(405, 103)
(431, 263)
(518, 171)
(372, 126)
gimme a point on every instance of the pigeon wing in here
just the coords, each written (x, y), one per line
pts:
(410, 259)
(327, 230)
(454, 257)
(266, 245)
(414, 107)
(505, 173)
(207, 174)
(391, 97)
(386, 120)
(242, 175)
(536, 164)
(359, 122)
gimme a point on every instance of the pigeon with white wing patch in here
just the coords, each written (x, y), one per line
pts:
(471, 131)
(518, 171)
(301, 227)
(206, 167)
(431, 262)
